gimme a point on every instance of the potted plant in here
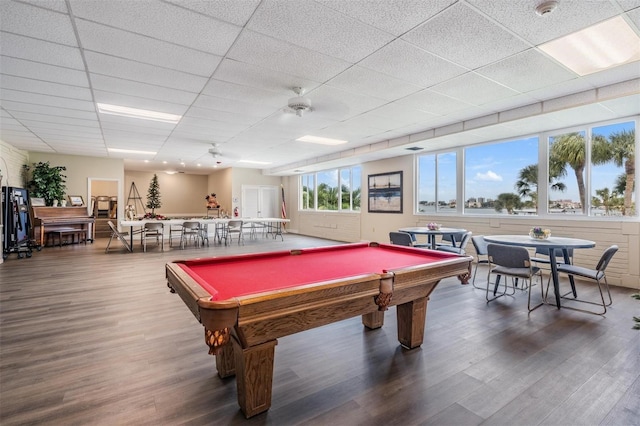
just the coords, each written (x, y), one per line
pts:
(46, 181)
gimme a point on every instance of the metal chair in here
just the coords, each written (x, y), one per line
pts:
(119, 235)
(401, 238)
(481, 251)
(598, 275)
(514, 262)
(450, 240)
(153, 230)
(190, 231)
(460, 248)
(234, 227)
(174, 230)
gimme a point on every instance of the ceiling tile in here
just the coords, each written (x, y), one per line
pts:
(36, 100)
(23, 19)
(432, 102)
(361, 80)
(162, 21)
(408, 62)
(111, 41)
(141, 90)
(311, 25)
(473, 88)
(43, 72)
(285, 57)
(233, 11)
(139, 103)
(250, 75)
(44, 87)
(144, 73)
(527, 71)
(41, 51)
(393, 16)
(465, 37)
(570, 16)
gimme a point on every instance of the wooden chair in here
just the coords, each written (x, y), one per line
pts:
(119, 235)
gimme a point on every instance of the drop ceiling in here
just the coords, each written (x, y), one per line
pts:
(383, 74)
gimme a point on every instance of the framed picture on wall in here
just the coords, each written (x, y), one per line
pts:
(76, 200)
(37, 202)
(385, 192)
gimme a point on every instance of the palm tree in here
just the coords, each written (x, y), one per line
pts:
(622, 152)
(507, 201)
(527, 183)
(570, 149)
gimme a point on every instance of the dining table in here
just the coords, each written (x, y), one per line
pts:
(550, 245)
(431, 233)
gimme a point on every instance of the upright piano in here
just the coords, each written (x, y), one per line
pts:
(54, 218)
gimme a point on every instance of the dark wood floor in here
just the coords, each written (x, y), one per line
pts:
(94, 338)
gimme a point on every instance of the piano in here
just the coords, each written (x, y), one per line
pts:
(55, 218)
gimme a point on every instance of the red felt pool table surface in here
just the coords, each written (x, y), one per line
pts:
(235, 276)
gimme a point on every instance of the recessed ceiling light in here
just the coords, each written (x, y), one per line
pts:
(596, 48)
(170, 172)
(320, 140)
(132, 151)
(137, 113)
(253, 162)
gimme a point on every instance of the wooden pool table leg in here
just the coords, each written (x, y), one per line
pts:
(225, 362)
(411, 321)
(254, 376)
(373, 319)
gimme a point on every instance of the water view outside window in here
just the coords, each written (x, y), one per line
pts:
(613, 170)
(502, 178)
(437, 181)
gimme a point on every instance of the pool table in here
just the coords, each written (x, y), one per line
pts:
(246, 302)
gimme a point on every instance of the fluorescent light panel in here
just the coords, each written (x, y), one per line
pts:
(596, 48)
(132, 151)
(138, 113)
(253, 162)
(320, 140)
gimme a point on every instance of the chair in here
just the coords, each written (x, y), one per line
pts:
(460, 248)
(234, 227)
(450, 240)
(174, 231)
(514, 262)
(152, 230)
(190, 231)
(481, 250)
(401, 238)
(119, 235)
(598, 275)
(541, 256)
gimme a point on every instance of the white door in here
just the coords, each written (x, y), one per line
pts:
(259, 201)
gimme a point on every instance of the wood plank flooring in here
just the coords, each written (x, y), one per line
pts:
(88, 338)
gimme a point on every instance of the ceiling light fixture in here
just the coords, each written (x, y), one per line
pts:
(596, 48)
(253, 162)
(137, 113)
(131, 151)
(321, 140)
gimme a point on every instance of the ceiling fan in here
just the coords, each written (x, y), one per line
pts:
(218, 155)
(299, 104)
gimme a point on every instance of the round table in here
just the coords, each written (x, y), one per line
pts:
(431, 233)
(550, 244)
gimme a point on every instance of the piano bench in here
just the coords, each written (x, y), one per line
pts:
(63, 232)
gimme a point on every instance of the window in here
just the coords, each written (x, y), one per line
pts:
(308, 198)
(331, 190)
(502, 178)
(613, 170)
(585, 171)
(437, 182)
